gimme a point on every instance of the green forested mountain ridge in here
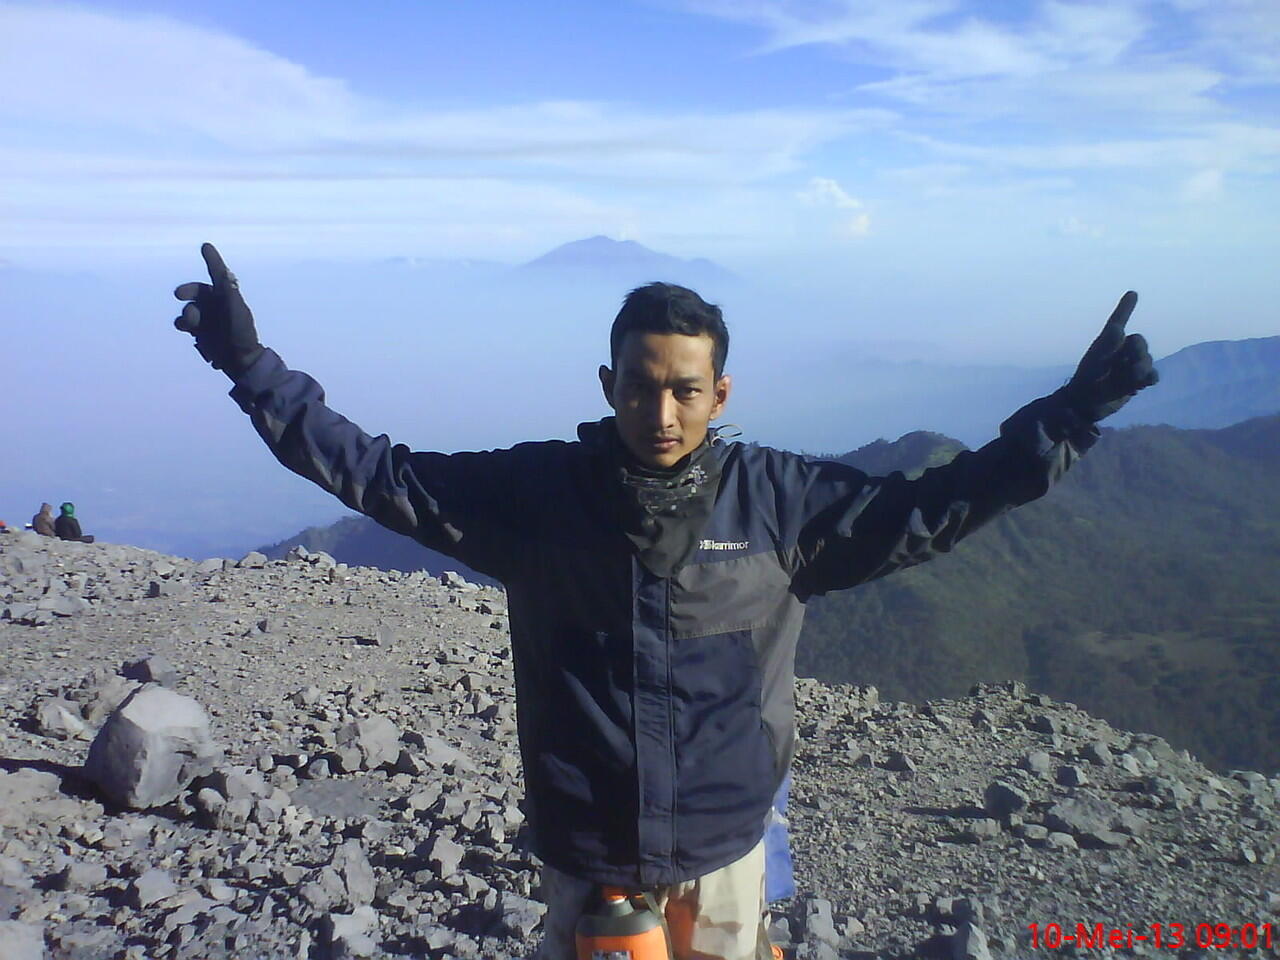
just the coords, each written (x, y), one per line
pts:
(1211, 384)
(912, 453)
(1145, 587)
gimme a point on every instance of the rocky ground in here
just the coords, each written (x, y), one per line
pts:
(357, 788)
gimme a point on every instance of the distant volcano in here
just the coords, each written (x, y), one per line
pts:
(614, 257)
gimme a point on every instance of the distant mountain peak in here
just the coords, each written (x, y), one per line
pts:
(605, 254)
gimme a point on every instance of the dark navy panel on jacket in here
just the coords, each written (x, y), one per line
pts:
(656, 714)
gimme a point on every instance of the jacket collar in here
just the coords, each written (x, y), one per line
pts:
(662, 512)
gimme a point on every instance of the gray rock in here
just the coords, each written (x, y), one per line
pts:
(520, 915)
(21, 612)
(80, 876)
(21, 941)
(1129, 763)
(253, 560)
(210, 802)
(1045, 723)
(1061, 841)
(1172, 793)
(68, 606)
(1131, 822)
(351, 864)
(375, 737)
(60, 718)
(819, 923)
(1081, 815)
(1071, 776)
(1098, 753)
(445, 856)
(318, 769)
(1038, 762)
(352, 934)
(151, 886)
(151, 748)
(14, 874)
(899, 761)
(985, 829)
(1002, 799)
(152, 668)
(970, 943)
(237, 782)
(23, 789)
(104, 697)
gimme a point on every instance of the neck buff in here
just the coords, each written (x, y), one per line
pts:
(663, 511)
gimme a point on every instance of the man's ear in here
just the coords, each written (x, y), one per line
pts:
(721, 390)
(606, 384)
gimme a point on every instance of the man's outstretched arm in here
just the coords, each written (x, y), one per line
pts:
(855, 528)
(456, 504)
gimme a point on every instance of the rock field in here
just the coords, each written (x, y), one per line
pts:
(292, 759)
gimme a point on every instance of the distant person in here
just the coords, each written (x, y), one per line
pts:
(43, 522)
(67, 526)
(656, 580)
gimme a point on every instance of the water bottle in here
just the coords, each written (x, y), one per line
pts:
(619, 929)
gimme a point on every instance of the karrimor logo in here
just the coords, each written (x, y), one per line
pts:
(724, 544)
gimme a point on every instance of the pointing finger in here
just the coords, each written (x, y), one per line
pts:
(191, 291)
(1120, 315)
(1112, 335)
(218, 271)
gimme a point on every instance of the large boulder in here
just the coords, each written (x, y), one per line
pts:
(151, 748)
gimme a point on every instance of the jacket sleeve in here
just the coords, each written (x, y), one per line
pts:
(459, 504)
(853, 528)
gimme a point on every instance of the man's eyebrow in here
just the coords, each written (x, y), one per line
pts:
(692, 379)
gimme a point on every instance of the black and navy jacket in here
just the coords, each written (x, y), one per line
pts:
(656, 714)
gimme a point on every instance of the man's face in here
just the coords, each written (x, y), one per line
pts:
(664, 394)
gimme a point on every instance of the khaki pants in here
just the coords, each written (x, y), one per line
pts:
(719, 916)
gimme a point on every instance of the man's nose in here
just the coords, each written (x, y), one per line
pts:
(662, 410)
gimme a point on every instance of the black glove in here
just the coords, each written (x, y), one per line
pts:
(218, 318)
(1113, 369)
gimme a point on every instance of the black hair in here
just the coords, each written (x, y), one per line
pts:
(668, 308)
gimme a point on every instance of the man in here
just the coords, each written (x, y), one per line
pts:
(656, 580)
(67, 527)
(43, 522)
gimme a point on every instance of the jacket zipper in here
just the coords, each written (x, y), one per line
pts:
(671, 725)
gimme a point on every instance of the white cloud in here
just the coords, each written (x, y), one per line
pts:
(1204, 185)
(944, 38)
(113, 80)
(1244, 147)
(825, 192)
(1075, 227)
(160, 76)
(1073, 72)
(155, 121)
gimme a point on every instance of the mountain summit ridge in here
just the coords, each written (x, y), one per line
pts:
(602, 253)
(369, 800)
